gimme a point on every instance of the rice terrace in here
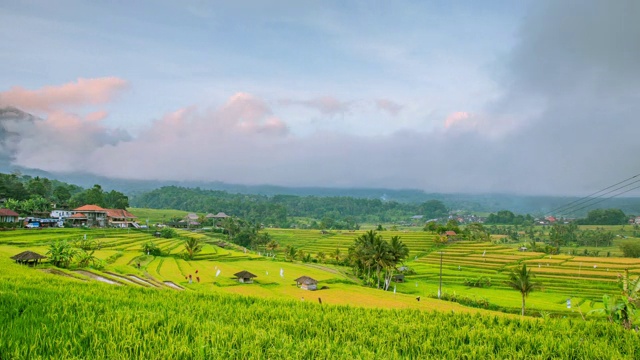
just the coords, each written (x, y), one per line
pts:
(131, 303)
(319, 179)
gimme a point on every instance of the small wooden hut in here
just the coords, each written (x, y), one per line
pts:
(306, 283)
(399, 278)
(28, 258)
(245, 277)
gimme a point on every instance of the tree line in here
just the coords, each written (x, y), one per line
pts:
(29, 195)
(281, 210)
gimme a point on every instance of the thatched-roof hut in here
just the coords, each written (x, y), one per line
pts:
(245, 277)
(28, 257)
(306, 283)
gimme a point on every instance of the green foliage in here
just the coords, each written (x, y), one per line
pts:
(604, 217)
(480, 282)
(99, 321)
(151, 248)
(192, 246)
(521, 279)
(631, 249)
(371, 253)
(61, 253)
(168, 233)
(506, 217)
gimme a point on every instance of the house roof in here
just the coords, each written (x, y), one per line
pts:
(119, 213)
(305, 280)
(27, 255)
(244, 274)
(450, 233)
(78, 216)
(90, 208)
(8, 212)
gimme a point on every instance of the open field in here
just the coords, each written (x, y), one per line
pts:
(562, 277)
(156, 312)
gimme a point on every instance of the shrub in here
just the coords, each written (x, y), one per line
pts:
(631, 249)
(168, 233)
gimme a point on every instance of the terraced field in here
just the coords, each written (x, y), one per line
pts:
(315, 241)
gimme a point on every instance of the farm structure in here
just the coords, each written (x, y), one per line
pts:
(245, 277)
(28, 258)
(306, 283)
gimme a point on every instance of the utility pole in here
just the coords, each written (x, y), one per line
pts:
(440, 286)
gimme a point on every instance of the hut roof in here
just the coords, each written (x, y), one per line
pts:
(244, 274)
(27, 255)
(220, 215)
(8, 212)
(120, 213)
(306, 280)
(450, 233)
(90, 208)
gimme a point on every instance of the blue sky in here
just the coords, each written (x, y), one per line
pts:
(463, 87)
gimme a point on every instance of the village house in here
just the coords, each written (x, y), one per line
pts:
(8, 215)
(95, 216)
(60, 214)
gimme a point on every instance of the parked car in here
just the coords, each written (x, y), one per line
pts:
(33, 225)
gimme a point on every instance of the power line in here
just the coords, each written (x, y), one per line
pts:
(612, 196)
(569, 209)
(588, 196)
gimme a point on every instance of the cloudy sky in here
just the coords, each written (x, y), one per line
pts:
(531, 97)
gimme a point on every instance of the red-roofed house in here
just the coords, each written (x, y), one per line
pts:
(99, 217)
(8, 215)
(77, 219)
(120, 218)
(96, 216)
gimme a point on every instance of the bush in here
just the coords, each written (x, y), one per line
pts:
(631, 249)
(151, 248)
(168, 233)
(480, 282)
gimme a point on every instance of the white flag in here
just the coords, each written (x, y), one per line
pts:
(394, 289)
(281, 272)
(484, 253)
(217, 272)
(267, 273)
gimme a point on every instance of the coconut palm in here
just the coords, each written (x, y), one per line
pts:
(192, 246)
(521, 279)
(398, 251)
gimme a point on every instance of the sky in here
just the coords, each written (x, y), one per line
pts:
(531, 97)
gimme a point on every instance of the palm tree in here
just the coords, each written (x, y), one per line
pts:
(271, 246)
(336, 255)
(398, 251)
(522, 280)
(192, 246)
(290, 252)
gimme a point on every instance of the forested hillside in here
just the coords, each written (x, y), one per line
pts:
(278, 210)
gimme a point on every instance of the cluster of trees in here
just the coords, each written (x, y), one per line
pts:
(28, 195)
(374, 259)
(604, 217)
(506, 217)
(280, 210)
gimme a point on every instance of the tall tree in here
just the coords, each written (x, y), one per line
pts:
(521, 279)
